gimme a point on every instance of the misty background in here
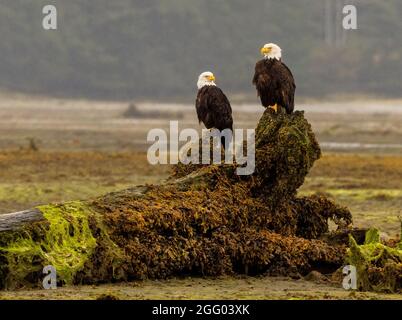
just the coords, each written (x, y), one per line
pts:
(155, 49)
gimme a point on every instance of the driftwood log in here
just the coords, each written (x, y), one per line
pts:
(204, 220)
(14, 221)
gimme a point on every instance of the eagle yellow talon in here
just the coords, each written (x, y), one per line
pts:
(274, 107)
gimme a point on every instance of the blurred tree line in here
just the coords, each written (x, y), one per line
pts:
(125, 49)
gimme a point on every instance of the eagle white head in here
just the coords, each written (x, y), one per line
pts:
(271, 51)
(206, 78)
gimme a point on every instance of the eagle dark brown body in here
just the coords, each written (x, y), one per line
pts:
(213, 108)
(275, 84)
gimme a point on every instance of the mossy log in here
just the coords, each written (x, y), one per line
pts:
(379, 266)
(204, 220)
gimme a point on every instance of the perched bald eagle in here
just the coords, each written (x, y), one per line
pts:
(212, 105)
(274, 81)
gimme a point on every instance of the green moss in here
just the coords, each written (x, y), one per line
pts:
(372, 236)
(286, 149)
(66, 243)
(379, 267)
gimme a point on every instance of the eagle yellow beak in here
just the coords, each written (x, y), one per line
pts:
(211, 78)
(265, 50)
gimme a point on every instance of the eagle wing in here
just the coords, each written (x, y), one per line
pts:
(213, 108)
(263, 83)
(275, 84)
(288, 87)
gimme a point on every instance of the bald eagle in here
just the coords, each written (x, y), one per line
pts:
(212, 105)
(274, 81)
